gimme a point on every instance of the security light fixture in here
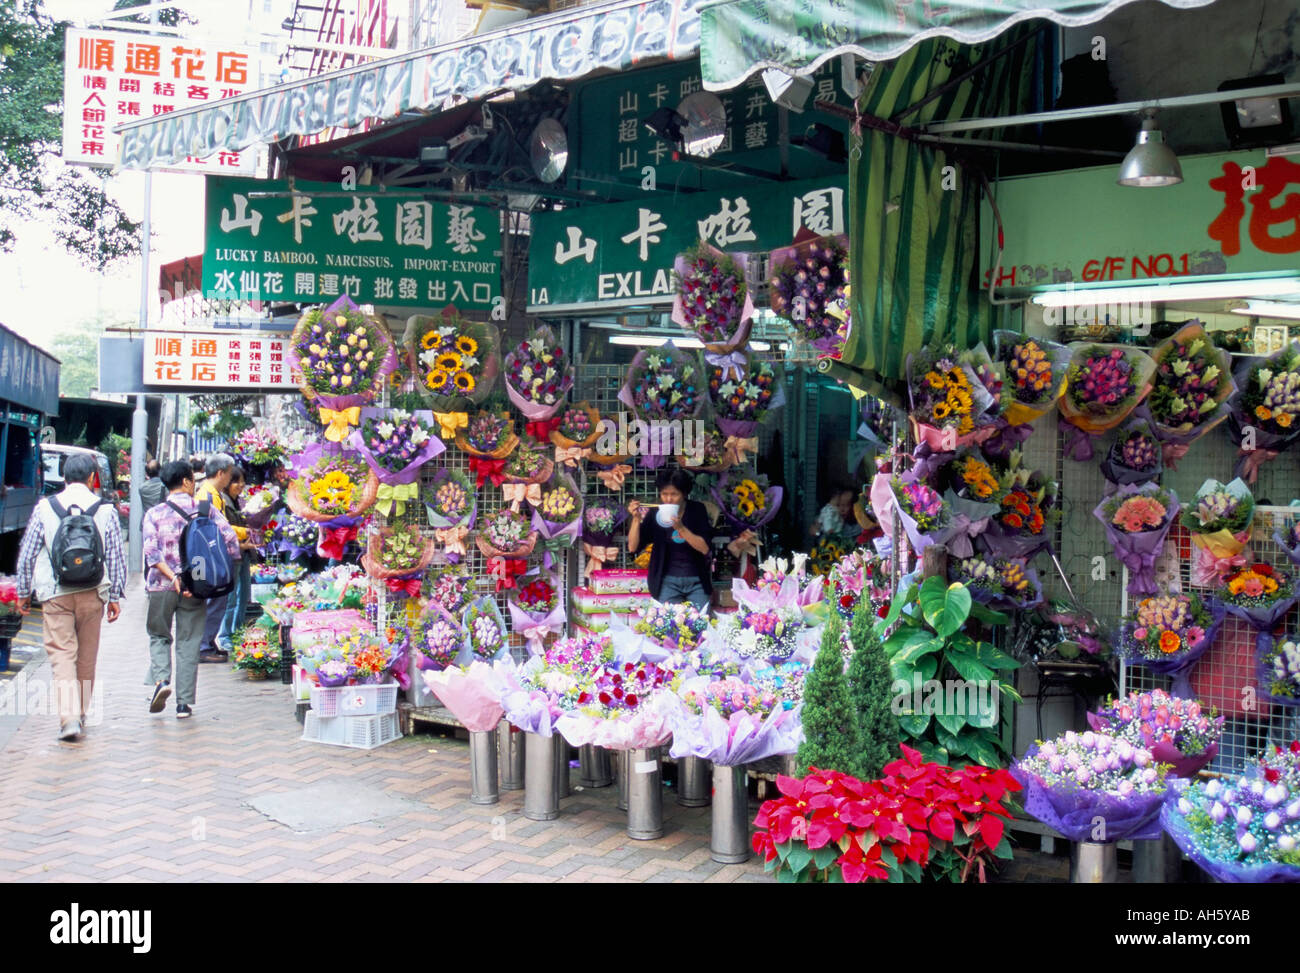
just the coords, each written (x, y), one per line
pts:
(824, 141)
(1150, 163)
(434, 150)
(1255, 122)
(788, 91)
(667, 124)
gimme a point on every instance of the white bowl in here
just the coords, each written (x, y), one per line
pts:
(666, 513)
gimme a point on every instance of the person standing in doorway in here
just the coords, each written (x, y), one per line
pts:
(220, 470)
(237, 601)
(71, 557)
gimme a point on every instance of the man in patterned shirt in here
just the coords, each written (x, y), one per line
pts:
(72, 616)
(168, 600)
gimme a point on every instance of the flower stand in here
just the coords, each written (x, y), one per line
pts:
(645, 795)
(594, 769)
(693, 782)
(729, 842)
(541, 797)
(1159, 861)
(1092, 863)
(483, 768)
(510, 757)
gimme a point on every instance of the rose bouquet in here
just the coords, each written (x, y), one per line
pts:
(1267, 404)
(1135, 457)
(742, 395)
(488, 439)
(712, 454)
(712, 300)
(1103, 385)
(1219, 520)
(677, 627)
(538, 375)
(344, 356)
(258, 504)
(436, 638)
(1137, 520)
(946, 399)
(1078, 778)
(1168, 634)
(1177, 731)
(729, 722)
(578, 429)
(747, 500)
(1278, 671)
(616, 707)
(1243, 830)
(663, 385)
(999, 582)
(1260, 595)
(485, 632)
(537, 611)
(454, 361)
(808, 281)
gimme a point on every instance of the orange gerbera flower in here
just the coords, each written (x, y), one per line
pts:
(1170, 642)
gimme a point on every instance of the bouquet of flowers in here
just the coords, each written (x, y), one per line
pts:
(1260, 595)
(366, 658)
(729, 722)
(331, 487)
(395, 444)
(858, 575)
(398, 555)
(1168, 634)
(527, 465)
(344, 356)
(537, 375)
(488, 439)
(785, 680)
(828, 551)
(578, 430)
(1137, 520)
(922, 510)
(536, 612)
(506, 533)
(712, 454)
(258, 503)
(255, 652)
(473, 695)
(1268, 404)
(663, 385)
(712, 299)
(1135, 457)
(971, 477)
(450, 501)
(946, 399)
(615, 707)
(808, 281)
(1103, 385)
(743, 396)
(451, 589)
(1247, 830)
(1278, 671)
(1219, 520)
(485, 632)
(437, 638)
(769, 635)
(1177, 731)
(1033, 375)
(1000, 582)
(599, 522)
(257, 451)
(454, 361)
(746, 498)
(1193, 381)
(1078, 778)
(294, 535)
(677, 627)
(1022, 527)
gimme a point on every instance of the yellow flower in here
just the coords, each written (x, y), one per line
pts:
(464, 381)
(934, 379)
(941, 410)
(745, 508)
(430, 340)
(448, 360)
(466, 345)
(436, 379)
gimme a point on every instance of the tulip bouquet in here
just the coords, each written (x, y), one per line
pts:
(809, 281)
(729, 722)
(395, 444)
(663, 384)
(1168, 634)
(946, 399)
(1079, 778)
(1268, 405)
(746, 498)
(450, 501)
(1177, 731)
(1260, 595)
(1135, 457)
(1000, 582)
(454, 361)
(1137, 521)
(677, 627)
(1219, 520)
(557, 518)
(344, 356)
(1193, 381)
(1104, 384)
(437, 638)
(538, 375)
(1278, 671)
(485, 632)
(1243, 830)
(1033, 375)
(579, 427)
(712, 299)
(743, 396)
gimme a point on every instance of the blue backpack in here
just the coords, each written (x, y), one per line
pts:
(208, 571)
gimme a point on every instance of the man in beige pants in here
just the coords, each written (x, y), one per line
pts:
(72, 613)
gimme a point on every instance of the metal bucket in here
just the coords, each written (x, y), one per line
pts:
(561, 766)
(1159, 861)
(729, 843)
(594, 769)
(541, 800)
(483, 768)
(621, 762)
(510, 757)
(645, 795)
(1093, 864)
(693, 782)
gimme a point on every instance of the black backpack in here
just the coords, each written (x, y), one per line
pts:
(208, 571)
(77, 550)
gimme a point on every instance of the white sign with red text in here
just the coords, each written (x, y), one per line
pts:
(197, 361)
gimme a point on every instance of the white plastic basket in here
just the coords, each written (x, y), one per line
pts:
(354, 700)
(357, 732)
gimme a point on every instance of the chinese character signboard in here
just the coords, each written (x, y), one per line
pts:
(1233, 213)
(377, 249)
(197, 361)
(623, 253)
(110, 78)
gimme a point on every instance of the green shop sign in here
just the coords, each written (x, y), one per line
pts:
(310, 247)
(622, 254)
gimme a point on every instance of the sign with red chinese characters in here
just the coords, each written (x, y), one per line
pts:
(197, 360)
(1233, 213)
(110, 78)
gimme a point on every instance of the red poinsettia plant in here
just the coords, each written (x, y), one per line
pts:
(920, 821)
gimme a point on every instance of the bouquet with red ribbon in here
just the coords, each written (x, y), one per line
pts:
(538, 376)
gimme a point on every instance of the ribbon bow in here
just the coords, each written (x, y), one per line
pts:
(963, 530)
(339, 421)
(736, 447)
(505, 570)
(517, 493)
(614, 476)
(597, 556)
(409, 586)
(535, 635)
(393, 497)
(487, 469)
(1249, 462)
(571, 455)
(732, 365)
(450, 422)
(453, 538)
(541, 429)
(1208, 570)
(1173, 452)
(333, 540)
(741, 548)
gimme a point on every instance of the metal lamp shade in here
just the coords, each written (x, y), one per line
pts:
(1150, 162)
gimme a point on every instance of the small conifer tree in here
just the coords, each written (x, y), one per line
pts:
(871, 688)
(830, 723)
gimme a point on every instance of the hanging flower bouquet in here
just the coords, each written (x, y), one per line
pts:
(334, 490)
(946, 400)
(743, 395)
(971, 477)
(506, 533)
(1219, 521)
(678, 628)
(1137, 521)
(436, 638)
(451, 589)
(1075, 780)
(712, 454)
(922, 511)
(344, 357)
(1246, 830)
(398, 555)
(1260, 595)
(258, 451)
(488, 439)
(1028, 510)
(712, 300)
(1177, 731)
(395, 444)
(538, 376)
(454, 360)
(808, 281)
(258, 504)
(664, 387)
(485, 632)
(1267, 403)
(747, 500)
(537, 611)
(1104, 384)
(1168, 634)
(557, 518)
(600, 520)
(1278, 671)
(578, 431)
(1000, 582)
(1135, 457)
(729, 722)
(526, 466)
(1193, 380)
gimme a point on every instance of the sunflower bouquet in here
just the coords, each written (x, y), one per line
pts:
(1168, 633)
(1103, 385)
(1033, 375)
(664, 386)
(1268, 405)
(344, 356)
(1193, 380)
(808, 283)
(538, 375)
(747, 500)
(743, 396)
(946, 399)
(712, 300)
(454, 361)
(331, 486)
(1219, 519)
(1135, 457)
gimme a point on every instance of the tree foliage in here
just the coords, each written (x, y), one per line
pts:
(830, 723)
(871, 687)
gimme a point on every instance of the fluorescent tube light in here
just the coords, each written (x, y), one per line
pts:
(1270, 309)
(654, 341)
(1203, 290)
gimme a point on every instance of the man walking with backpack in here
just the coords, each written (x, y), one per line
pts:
(221, 469)
(189, 551)
(72, 558)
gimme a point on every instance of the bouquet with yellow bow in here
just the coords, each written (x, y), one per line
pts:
(331, 487)
(455, 361)
(395, 444)
(344, 355)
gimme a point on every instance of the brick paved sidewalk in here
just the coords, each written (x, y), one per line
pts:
(151, 798)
